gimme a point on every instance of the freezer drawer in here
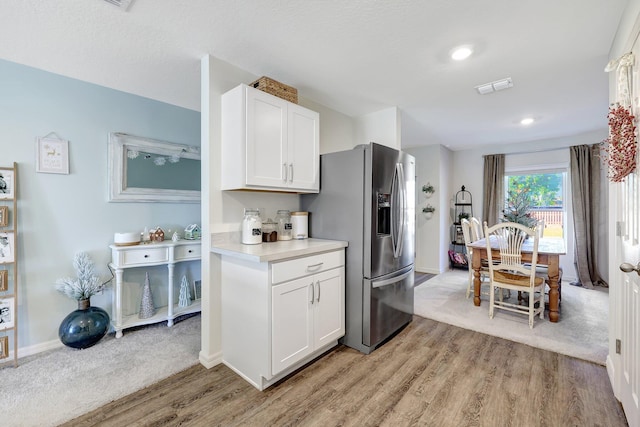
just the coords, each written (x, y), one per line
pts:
(387, 306)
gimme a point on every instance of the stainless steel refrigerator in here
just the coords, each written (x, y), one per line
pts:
(367, 197)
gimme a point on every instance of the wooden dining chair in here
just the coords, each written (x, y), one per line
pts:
(509, 272)
(477, 232)
(467, 233)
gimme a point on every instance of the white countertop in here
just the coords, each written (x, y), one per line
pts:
(276, 251)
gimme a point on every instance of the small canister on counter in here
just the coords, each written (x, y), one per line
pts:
(269, 231)
(251, 227)
(300, 222)
(285, 228)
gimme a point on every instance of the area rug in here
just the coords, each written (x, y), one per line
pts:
(50, 388)
(582, 331)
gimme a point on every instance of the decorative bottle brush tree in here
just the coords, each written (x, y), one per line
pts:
(147, 308)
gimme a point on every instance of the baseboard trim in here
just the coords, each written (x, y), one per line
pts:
(38, 348)
(209, 361)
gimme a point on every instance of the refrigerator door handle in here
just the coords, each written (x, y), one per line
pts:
(381, 283)
(403, 216)
(397, 220)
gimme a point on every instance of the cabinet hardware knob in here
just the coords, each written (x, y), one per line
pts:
(146, 256)
(190, 251)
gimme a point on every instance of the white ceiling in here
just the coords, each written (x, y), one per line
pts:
(355, 56)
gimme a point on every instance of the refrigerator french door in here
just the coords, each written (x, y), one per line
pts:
(367, 197)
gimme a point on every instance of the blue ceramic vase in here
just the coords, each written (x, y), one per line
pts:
(85, 326)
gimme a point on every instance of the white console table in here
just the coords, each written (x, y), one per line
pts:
(147, 255)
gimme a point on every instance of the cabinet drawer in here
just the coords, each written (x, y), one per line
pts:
(142, 256)
(300, 267)
(187, 252)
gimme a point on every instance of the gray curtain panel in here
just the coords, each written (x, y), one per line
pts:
(585, 183)
(493, 184)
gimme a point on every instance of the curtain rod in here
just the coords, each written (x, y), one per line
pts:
(541, 150)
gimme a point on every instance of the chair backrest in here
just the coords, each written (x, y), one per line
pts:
(477, 232)
(466, 231)
(509, 237)
(540, 227)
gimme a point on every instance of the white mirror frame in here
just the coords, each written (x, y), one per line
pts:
(119, 143)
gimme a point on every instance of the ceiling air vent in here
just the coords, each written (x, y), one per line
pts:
(502, 84)
(122, 4)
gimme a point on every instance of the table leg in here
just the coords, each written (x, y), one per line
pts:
(476, 264)
(554, 273)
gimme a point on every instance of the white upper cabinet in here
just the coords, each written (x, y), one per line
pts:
(268, 143)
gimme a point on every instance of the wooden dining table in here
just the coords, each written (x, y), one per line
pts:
(549, 251)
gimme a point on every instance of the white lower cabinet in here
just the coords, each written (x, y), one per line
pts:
(307, 315)
(277, 316)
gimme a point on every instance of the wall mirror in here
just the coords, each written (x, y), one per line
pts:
(149, 170)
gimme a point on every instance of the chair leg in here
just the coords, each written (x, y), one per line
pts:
(532, 300)
(470, 284)
(492, 299)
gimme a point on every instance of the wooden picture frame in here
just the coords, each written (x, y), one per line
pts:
(7, 316)
(4, 280)
(197, 290)
(52, 155)
(4, 347)
(6, 184)
(4, 216)
(7, 248)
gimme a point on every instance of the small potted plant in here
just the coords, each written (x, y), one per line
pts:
(87, 325)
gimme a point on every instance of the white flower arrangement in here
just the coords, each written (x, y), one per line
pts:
(86, 284)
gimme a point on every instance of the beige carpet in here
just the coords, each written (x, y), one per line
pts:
(50, 388)
(582, 331)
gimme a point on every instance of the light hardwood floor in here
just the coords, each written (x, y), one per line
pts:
(430, 374)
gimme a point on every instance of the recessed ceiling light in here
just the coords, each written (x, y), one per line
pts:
(526, 121)
(461, 52)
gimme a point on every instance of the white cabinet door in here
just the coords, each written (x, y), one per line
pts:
(328, 313)
(292, 323)
(266, 140)
(268, 143)
(303, 148)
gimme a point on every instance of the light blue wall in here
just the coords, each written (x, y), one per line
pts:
(62, 214)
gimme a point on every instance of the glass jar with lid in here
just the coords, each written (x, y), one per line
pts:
(251, 227)
(285, 228)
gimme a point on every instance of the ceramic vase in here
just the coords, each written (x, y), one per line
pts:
(85, 326)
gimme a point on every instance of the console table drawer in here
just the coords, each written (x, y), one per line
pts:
(142, 256)
(187, 252)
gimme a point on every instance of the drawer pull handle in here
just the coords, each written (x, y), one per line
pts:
(318, 282)
(313, 267)
(190, 251)
(146, 256)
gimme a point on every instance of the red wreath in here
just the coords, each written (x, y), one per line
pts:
(619, 150)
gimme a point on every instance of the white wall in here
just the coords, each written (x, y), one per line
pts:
(432, 230)
(60, 215)
(382, 127)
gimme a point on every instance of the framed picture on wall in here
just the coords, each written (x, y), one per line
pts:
(6, 313)
(4, 280)
(6, 184)
(52, 155)
(7, 248)
(4, 347)
(4, 216)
